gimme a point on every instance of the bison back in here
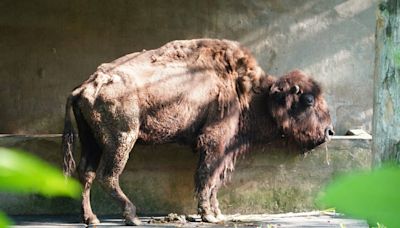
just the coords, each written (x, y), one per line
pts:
(172, 90)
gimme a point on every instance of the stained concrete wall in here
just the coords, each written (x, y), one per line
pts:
(160, 179)
(48, 47)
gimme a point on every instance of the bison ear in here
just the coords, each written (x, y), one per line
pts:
(266, 83)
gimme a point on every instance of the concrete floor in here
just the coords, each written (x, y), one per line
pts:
(309, 219)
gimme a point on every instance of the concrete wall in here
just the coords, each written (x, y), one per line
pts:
(160, 179)
(48, 47)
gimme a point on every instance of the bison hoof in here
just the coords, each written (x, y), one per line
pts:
(91, 220)
(220, 217)
(132, 221)
(209, 218)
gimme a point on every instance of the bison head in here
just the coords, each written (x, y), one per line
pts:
(299, 109)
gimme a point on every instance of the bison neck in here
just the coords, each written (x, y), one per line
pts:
(257, 124)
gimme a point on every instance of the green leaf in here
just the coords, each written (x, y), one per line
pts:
(4, 221)
(21, 172)
(373, 196)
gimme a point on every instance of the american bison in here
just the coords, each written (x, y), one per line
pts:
(205, 93)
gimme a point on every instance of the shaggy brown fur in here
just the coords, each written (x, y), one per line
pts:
(210, 94)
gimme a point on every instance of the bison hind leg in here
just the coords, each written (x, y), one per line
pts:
(115, 155)
(90, 158)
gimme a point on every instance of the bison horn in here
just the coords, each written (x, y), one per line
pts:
(296, 89)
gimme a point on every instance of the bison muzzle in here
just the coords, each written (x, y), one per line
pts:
(205, 93)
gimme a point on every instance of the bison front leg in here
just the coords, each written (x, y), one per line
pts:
(215, 204)
(204, 185)
(212, 166)
(225, 166)
(209, 178)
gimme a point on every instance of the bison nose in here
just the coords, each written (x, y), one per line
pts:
(329, 132)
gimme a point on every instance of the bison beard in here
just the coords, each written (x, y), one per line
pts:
(209, 94)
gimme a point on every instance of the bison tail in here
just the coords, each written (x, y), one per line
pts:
(68, 139)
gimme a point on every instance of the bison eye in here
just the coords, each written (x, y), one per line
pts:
(307, 99)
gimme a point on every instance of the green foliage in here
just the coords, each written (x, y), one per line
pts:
(373, 196)
(4, 221)
(23, 173)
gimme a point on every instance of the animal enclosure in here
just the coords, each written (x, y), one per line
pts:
(50, 47)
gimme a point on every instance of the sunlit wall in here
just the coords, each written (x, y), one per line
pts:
(48, 47)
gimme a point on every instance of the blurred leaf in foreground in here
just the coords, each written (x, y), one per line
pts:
(4, 221)
(373, 195)
(22, 172)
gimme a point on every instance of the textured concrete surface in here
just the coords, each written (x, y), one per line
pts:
(48, 47)
(159, 179)
(311, 219)
(386, 122)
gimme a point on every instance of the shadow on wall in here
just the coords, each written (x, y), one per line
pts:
(268, 180)
(333, 41)
(49, 48)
